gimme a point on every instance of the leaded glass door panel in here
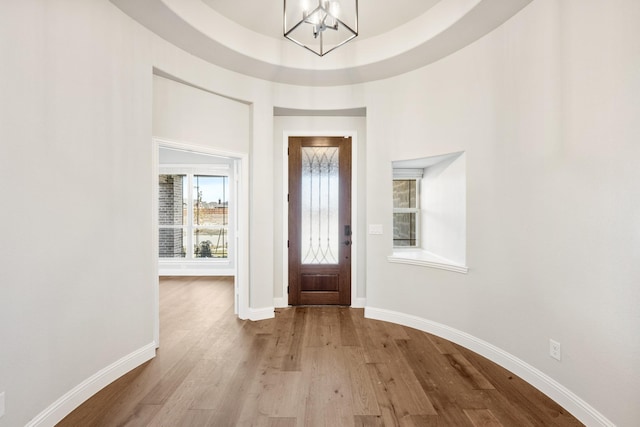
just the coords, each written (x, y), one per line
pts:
(319, 220)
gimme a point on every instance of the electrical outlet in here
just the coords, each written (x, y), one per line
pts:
(555, 350)
(2, 404)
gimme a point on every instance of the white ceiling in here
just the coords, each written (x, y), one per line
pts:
(395, 37)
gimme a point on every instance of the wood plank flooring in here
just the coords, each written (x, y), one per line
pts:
(310, 366)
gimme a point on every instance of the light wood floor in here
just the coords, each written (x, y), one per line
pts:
(310, 366)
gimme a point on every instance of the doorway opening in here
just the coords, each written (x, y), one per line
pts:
(200, 212)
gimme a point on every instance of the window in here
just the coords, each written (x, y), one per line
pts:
(193, 216)
(406, 212)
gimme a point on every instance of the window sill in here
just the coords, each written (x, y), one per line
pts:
(425, 259)
(195, 261)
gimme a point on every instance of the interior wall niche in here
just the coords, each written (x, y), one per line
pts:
(440, 211)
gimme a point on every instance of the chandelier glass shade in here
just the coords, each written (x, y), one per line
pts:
(320, 25)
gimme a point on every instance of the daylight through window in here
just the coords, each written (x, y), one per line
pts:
(193, 216)
(406, 212)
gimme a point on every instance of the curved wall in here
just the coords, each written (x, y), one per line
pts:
(76, 276)
(545, 108)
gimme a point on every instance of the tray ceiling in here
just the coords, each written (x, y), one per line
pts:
(394, 37)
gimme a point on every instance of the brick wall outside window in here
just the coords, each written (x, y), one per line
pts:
(171, 240)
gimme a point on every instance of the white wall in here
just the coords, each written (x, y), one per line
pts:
(546, 109)
(76, 270)
(186, 114)
(443, 203)
(76, 130)
(306, 125)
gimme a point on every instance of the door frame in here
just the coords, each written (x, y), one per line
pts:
(284, 301)
(241, 176)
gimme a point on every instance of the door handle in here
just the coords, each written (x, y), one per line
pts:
(347, 242)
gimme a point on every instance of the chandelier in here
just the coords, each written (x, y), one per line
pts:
(320, 25)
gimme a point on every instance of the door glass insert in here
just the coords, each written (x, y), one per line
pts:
(320, 191)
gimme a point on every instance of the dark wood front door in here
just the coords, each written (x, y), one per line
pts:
(319, 220)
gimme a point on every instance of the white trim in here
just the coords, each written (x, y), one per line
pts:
(191, 172)
(256, 314)
(359, 303)
(87, 388)
(179, 145)
(285, 216)
(354, 205)
(411, 173)
(219, 169)
(242, 236)
(547, 385)
(168, 271)
(155, 239)
(425, 259)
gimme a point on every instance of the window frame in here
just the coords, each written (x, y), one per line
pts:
(417, 211)
(189, 225)
(191, 220)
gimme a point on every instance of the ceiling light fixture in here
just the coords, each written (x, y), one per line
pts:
(320, 25)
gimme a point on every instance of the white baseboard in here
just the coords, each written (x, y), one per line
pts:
(281, 302)
(83, 391)
(556, 391)
(256, 314)
(359, 303)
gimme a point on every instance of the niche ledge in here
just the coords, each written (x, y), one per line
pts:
(426, 259)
